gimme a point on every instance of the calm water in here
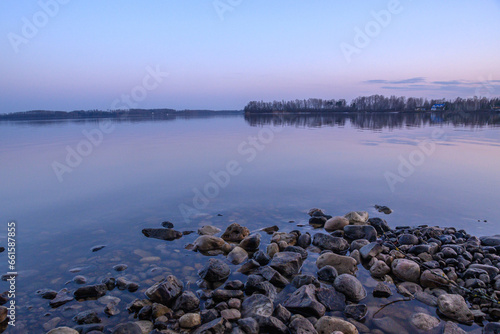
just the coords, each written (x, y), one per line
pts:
(258, 171)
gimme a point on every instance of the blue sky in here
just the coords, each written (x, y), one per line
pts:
(220, 54)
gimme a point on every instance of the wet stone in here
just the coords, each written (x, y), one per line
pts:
(350, 286)
(61, 298)
(86, 317)
(120, 267)
(255, 305)
(326, 241)
(235, 233)
(286, 263)
(382, 290)
(327, 274)
(356, 311)
(215, 270)
(166, 291)
(330, 298)
(304, 301)
(162, 233)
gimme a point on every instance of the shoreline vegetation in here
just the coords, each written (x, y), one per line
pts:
(373, 103)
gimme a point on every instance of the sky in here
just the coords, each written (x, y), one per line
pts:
(220, 54)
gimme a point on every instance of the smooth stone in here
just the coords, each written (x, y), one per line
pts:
(491, 328)
(167, 224)
(382, 290)
(452, 328)
(220, 295)
(424, 321)
(426, 298)
(270, 229)
(272, 249)
(235, 233)
(286, 263)
(371, 250)
(127, 328)
(357, 244)
(328, 325)
(271, 325)
(304, 240)
(389, 326)
(300, 325)
(332, 300)
(282, 314)
(230, 314)
(207, 243)
(237, 255)
(336, 223)
(97, 248)
(304, 279)
(383, 209)
(255, 305)
(303, 301)
(326, 241)
(91, 291)
(79, 279)
(493, 240)
(297, 249)
(317, 221)
(47, 293)
(162, 233)
(251, 242)
(357, 217)
(165, 291)
(433, 278)
(63, 330)
(379, 269)
(355, 232)
(380, 225)
(343, 264)
(234, 285)
(408, 239)
(120, 267)
(327, 273)
(190, 320)
(273, 276)
(215, 270)
(208, 230)
(406, 270)
(289, 238)
(86, 317)
(350, 286)
(455, 308)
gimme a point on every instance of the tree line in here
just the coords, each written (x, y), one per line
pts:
(374, 103)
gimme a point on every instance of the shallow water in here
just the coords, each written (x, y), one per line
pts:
(274, 169)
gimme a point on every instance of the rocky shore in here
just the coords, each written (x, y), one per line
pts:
(350, 274)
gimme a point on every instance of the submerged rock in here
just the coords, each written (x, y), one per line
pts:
(162, 233)
(343, 264)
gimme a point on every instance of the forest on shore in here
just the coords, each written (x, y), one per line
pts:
(377, 103)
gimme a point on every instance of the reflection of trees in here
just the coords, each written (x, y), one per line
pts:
(376, 121)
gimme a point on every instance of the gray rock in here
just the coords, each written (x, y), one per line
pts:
(379, 269)
(336, 223)
(357, 217)
(326, 241)
(208, 230)
(235, 233)
(216, 326)
(271, 325)
(382, 290)
(127, 328)
(357, 244)
(380, 225)
(61, 298)
(255, 305)
(206, 243)
(231, 314)
(350, 286)
(424, 321)
(165, 291)
(266, 289)
(86, 317)
(282, 314)
(215, 271)
(303, 301)
(389, 326)
(190, 320)
(355, 232)
(328, 325)
(251, 242)
(162, 233)
(433, 278)
(272, 276)
(343, 264)
(261, 257)
(249, 325)
(222, 295)
(304, 279)
(237, 255)
(63, 330)
(327, 273)
(272, 249)
(300, 325)
(286, 263)
(408, 239)
(371, 250)
(455, 308)
(297, 249)
(452, 328)
(91, 291)
(491, 328)
(187, 302)
(330, 298)
(304, 240)
(426, 298)
(406, 270)
(493, 240)
(356, 311)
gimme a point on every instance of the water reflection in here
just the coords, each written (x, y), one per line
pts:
(377, 121)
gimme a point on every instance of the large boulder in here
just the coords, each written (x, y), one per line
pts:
(166, 291)
(326, 241)
(287, 263)
(350, 286)
(406, 270)
(303, 301)
(454, 307)
(343, 264)
(235, 233)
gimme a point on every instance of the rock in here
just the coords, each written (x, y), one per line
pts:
(167, 224)
(261, 257)
(452, 328)
(389, 326)
(272, 276)
(207, 243)
(97, 248)
(371, 250)
(493, 240)
(221, 295)
(249, 325)
(343, 264)
(315, 212)
(298, 250)
(326, 241)
(63, 330)
(433, 278)
(357, 217)
(255, 305)
(215, 270)
(91, 291)
(408, 239)
(327, 273)
(303, 301)
(455, 308)
(491, 328)
(165, 291)
(304, 240)
(379, 269)
(336, 223)
(350, 286)
(380, 225)
(235, 233)
(127, 328)
(382, 290)
(286, 263)
(120, 267)
(426, 298)
(249, 266)
(251, 243)
(330, 298)
(272, 249)
(304, 279)
(237, 255)
(328, 325)
(406, 270)
(354, 232)
(271, 325)
(162, 233)
(356, 311)
(357, 244)
(61, 298)
(424, 321)
(289, 238)
(384, 209)
(190, 320)
(270, 229)
(86, 317)
(45, 294)
(79, 279)
(317, 221)
(187, 302)
(300, 325)
(282, 314)
(208, 230)
(216, 326)
(492, 271)
(230, 314)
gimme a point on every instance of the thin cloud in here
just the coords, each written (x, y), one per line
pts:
(396, 82)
